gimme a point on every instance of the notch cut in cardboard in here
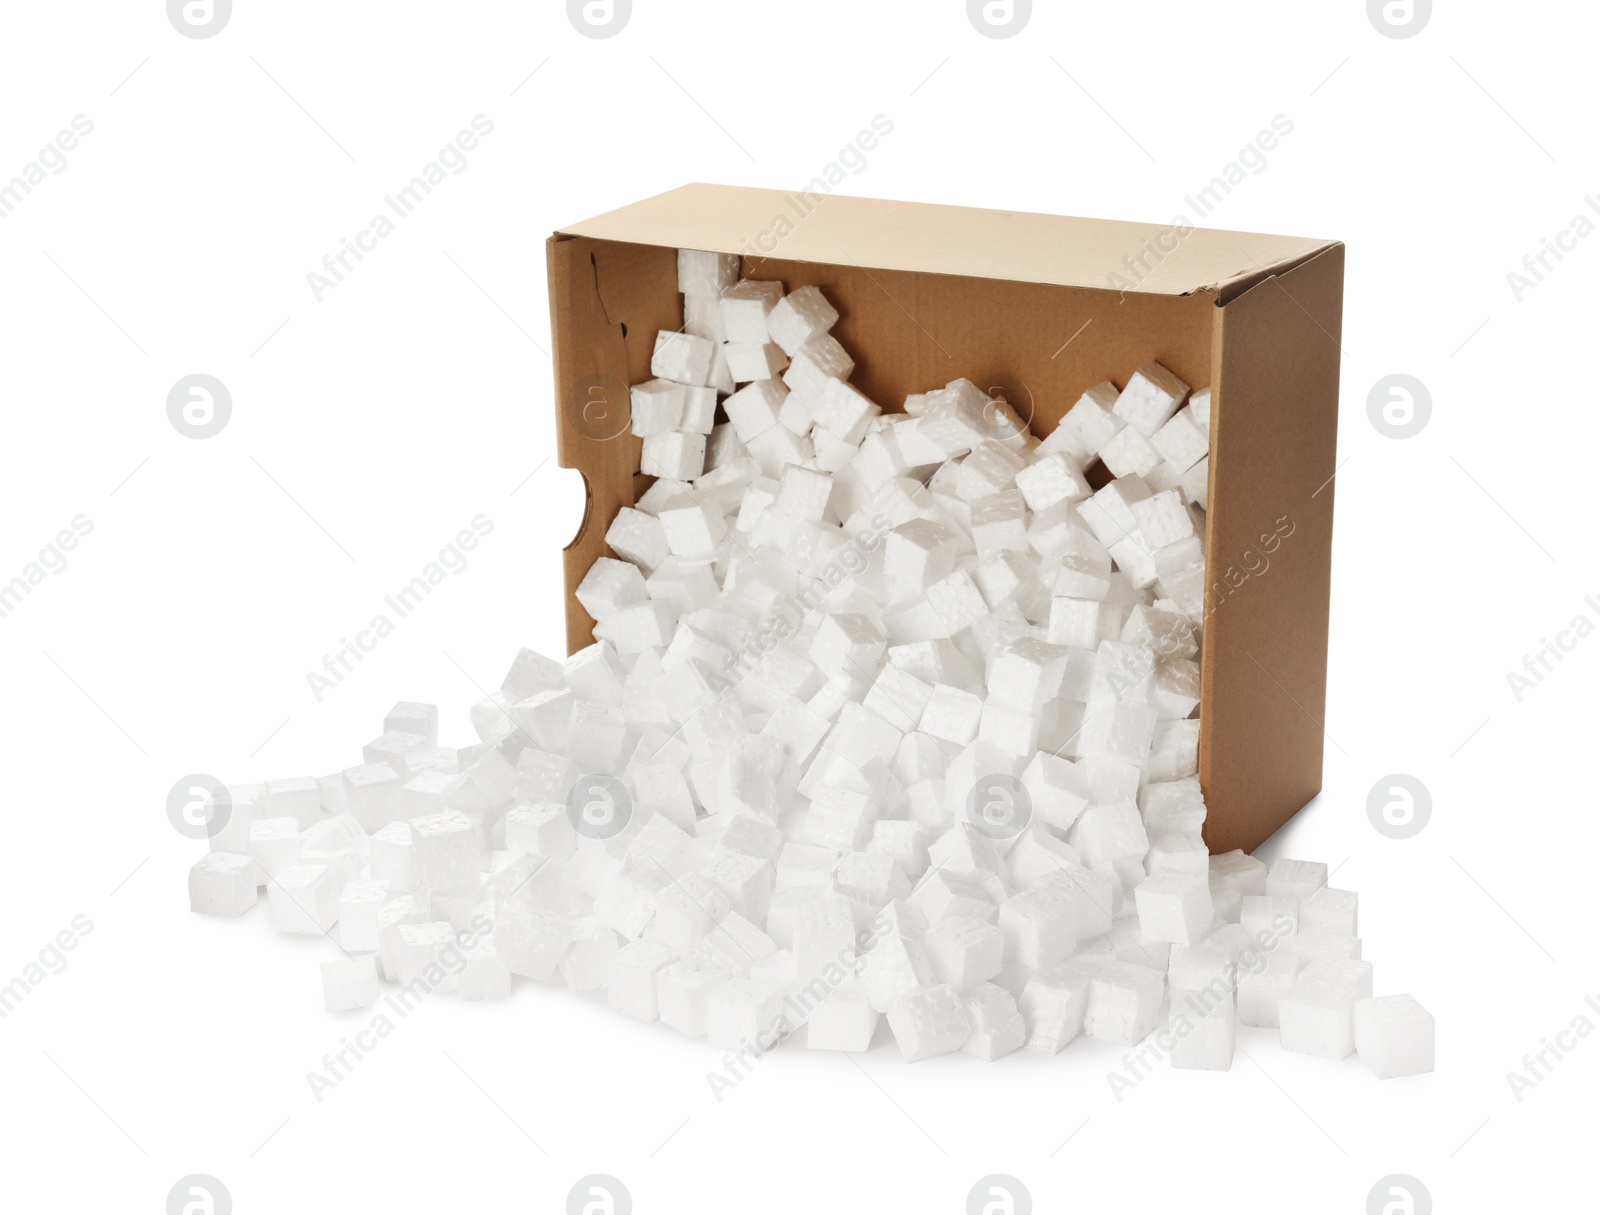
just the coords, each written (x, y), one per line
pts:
(1035, 308)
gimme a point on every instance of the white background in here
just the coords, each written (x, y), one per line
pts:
(370, 427)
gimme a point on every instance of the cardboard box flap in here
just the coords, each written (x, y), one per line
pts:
(968, 242)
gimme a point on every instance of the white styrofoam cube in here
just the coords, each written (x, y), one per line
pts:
(274, 845)
(706, 273)
(745, 307)
(223, 883)
(997, 1027)
(751, 361)
(349, 983)
(631, 978)
(446, 849)
(1092, 422)
(754, 408)
(741, 1013)
(928, 1021)
(1317, 1015)
(844, 1020)
(1174, 907)
(964, 951)
(1394, 1036)
(657, 406)
(1124, 1003)
(359, 905)
(1182, 444)
(1296, 879)
(1263, 987)
(1330, 910)
(304, 898)
(1152, 396)
(1130, 453)
(1204, 1028)
(800, 316)
(1051, 479)
(676, 454)
(681, 993)
(1040, 927)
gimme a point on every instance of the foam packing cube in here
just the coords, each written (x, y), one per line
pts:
(1053, 1004)
(681, 989)
(928, 1021)
(1130, 453)
(359, 905)
(1182, 444)
(1162, 519)
(965, 951)
(657, 407)
(638, 538)
(304, 899)
(1317, 1016)
(447, 850)
(1124, 1003)
(997, 1027)
(745, 308)
(1394, 1036)
(705, 273)
(803, 314)
(820, 361)
(1152, 396)
(1204, 1029)
(1174, 907)
(1092, 421)
(844, 1020)
(677, 455)
(349, 983)
(632, 978)
(750, 361)
(754, 409)
(1331, 911)
(741, 1013)
(223, 884)
(1296, 879)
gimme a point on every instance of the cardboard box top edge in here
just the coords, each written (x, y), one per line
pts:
(962, 241)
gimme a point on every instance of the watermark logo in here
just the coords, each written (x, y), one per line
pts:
(599, 18)
(999, 806)
(199, 18)
(199, 406)
(602, 409)
(599, 1194)
(1399, 1194)
(999, 1194)
(1399, 806)
(198, 807)
(598, 806)
(1399, 18)
(1399, 406)
(199, 1194)
(999, 18)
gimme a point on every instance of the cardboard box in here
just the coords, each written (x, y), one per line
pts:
(1036, 308)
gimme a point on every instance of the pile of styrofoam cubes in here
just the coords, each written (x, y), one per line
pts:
(889, 715)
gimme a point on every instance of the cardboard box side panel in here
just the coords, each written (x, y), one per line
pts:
(606, 303)
(1269, 545)
(811, 225)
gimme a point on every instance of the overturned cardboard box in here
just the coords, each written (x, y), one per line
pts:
(1035, 308)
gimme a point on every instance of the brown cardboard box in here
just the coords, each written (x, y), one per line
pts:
(1036, 308)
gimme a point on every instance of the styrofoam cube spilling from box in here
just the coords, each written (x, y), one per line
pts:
(890, 715)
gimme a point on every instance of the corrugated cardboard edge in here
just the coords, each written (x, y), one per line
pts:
(1269, 548)
(969, 242)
